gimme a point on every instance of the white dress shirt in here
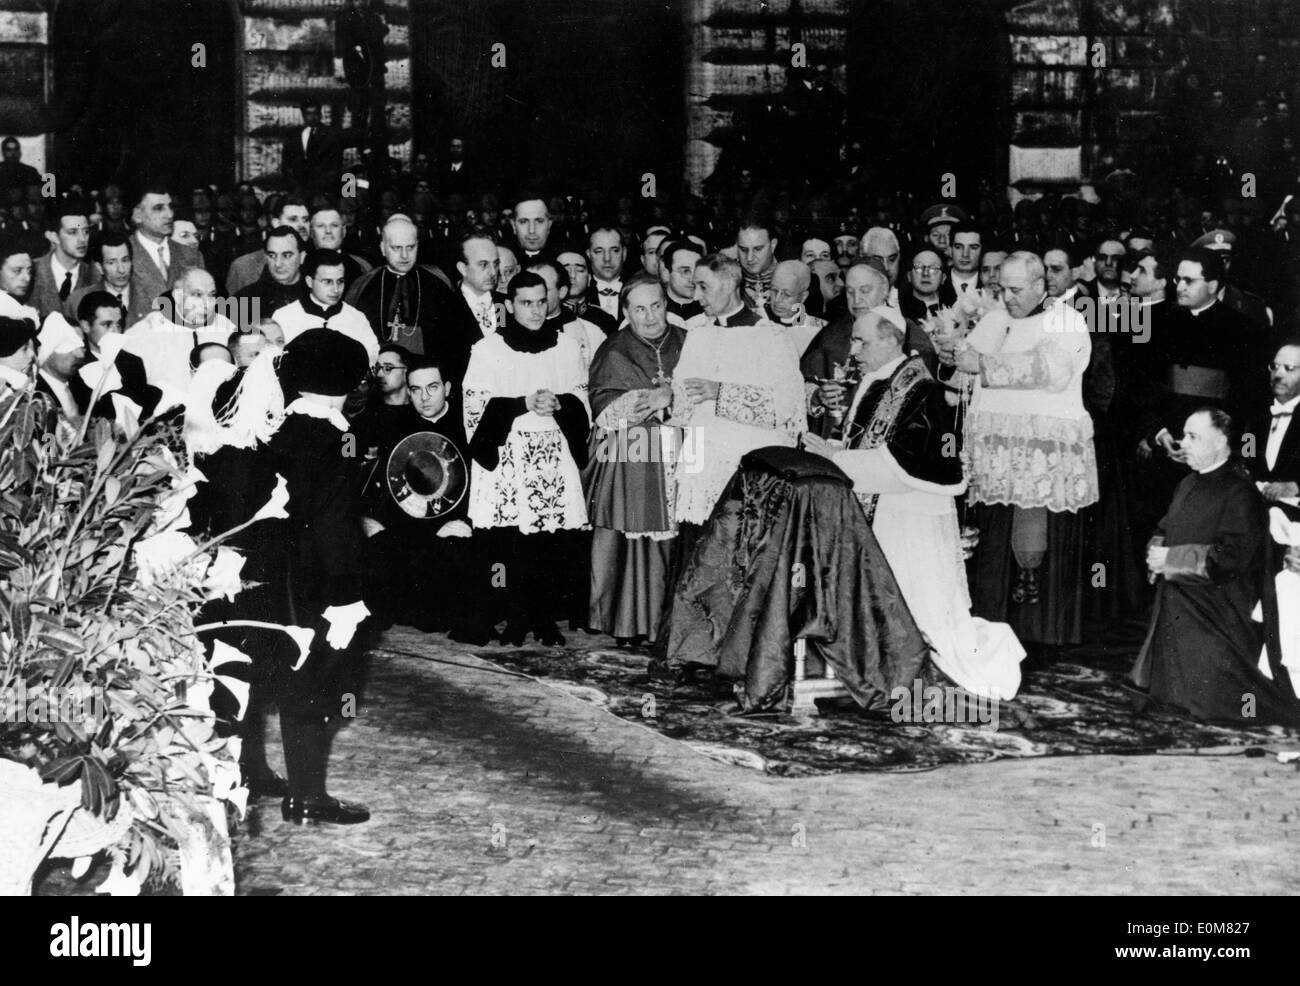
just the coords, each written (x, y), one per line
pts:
(969, 284)
(60, 272)
(608, 302)
(158, 252)
(483, 307)
(1277, 431)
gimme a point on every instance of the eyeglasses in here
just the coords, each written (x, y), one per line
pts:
(928, 269)
(428, 390)
(387, 367)
(1285, 367)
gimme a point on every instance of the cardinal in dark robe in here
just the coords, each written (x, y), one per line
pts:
(629, 467)
(1202, 651)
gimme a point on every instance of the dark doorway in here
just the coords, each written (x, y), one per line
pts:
(590, 92)
(130, 101)
(928, 85)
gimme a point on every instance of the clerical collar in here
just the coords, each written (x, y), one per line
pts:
(740, 307)
(437, 417)
(1214, 468)
(319, 411)
(1198, 312)
(523, 340)
(389, 270)
(312, 307)
(1038, 308)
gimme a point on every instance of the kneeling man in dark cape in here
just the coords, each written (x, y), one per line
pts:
(1202, 651)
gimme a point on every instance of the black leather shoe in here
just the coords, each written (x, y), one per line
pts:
(331, 810)
(267, 784)
(513, 635)
(548, 634)
(477, 636)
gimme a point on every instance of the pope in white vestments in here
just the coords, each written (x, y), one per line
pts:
(903, 457)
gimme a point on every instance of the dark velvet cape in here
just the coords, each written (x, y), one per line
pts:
(788, 553)
(1202, 651)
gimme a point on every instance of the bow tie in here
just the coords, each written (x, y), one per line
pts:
(607, 292)
(1280, 411)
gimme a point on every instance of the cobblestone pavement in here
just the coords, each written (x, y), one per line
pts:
(486, 783)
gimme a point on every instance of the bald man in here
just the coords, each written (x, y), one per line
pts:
(183, 319)
(787, 302)
(411, 305)
(880, 243)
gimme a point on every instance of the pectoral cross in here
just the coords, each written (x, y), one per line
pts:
(397, 328)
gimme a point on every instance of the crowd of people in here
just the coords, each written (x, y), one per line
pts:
(497, 418)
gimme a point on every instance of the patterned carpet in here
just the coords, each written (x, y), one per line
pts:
(1074, 705)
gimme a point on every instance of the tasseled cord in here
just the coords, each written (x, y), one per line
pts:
(251, 416)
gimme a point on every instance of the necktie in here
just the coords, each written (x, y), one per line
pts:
(66, 287)
(164, 260)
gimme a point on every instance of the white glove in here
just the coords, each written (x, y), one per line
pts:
(344, 621)
(454, 529)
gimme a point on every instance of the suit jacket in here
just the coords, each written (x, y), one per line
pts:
(147, 281)
(45, 292)
(74, 299)
(317, 168)
(1287, 467)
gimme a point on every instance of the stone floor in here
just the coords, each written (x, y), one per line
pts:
(488, 783)
(485, 782)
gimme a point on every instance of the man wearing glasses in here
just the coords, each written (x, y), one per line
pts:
(1211, 355)
(924, 279)
(1273, 439)
(1223, 242)
(1108, 261)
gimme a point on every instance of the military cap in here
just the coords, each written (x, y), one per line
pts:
(938, 214)
(1216, 239)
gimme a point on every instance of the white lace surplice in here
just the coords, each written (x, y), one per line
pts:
(536, 485)
(760, 402)
(1028, 434)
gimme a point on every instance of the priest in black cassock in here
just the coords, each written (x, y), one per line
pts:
(413, 307)
(1202, 651)
(421, 568)
(629, 468)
